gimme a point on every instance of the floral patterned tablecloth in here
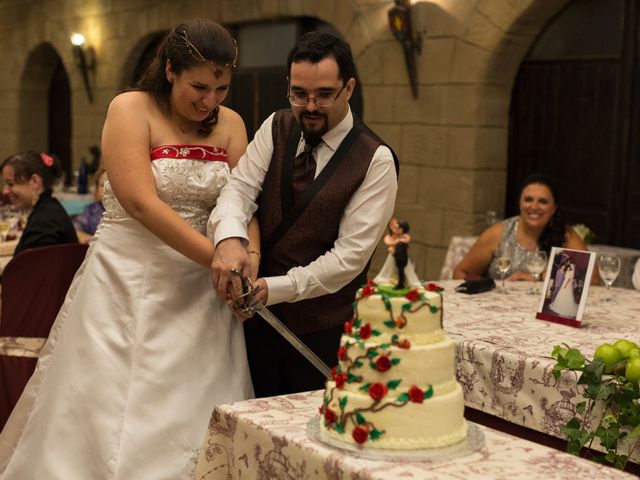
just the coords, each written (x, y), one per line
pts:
(266, 439)
(504, 352)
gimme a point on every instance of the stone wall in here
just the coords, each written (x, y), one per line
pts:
(451, 140)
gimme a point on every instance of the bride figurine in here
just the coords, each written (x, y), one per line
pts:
(398, 270)
(564, 303)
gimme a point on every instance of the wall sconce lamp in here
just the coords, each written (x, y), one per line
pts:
(400, 25)
(85, 61)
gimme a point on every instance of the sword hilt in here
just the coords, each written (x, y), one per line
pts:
(247, 302)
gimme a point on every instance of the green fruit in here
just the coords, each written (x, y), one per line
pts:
(635, 352)
(632, 372)
(609, 354)
(625, 346)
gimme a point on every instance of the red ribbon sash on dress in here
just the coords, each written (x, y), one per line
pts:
(205, 153)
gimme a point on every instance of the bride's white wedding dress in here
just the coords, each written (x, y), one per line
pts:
(140, 353)
(564, 303)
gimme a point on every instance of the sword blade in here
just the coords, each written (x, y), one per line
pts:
(290, 337)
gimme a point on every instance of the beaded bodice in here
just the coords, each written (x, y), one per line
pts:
(188, 179)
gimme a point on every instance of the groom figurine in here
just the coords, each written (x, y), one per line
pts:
(324, 188)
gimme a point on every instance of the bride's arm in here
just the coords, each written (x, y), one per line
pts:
(125, 147)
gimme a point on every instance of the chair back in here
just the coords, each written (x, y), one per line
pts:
(34, 286)
(458, 248)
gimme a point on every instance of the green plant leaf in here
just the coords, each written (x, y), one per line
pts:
(343, 403)
(580, 407)
(359, 418)
(609, 436)
(390, 324)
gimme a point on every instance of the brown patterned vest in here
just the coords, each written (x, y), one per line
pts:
(295, 235)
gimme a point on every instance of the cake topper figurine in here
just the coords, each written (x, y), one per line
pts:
(398, 270)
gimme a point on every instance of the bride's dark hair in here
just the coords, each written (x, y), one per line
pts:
(555, 231)
(187, 45)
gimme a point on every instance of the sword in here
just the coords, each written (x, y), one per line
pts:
(247, 303)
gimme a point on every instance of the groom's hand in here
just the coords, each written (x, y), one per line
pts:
(229, 255)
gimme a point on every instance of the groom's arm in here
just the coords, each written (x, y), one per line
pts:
(235, 207)
(236, 204)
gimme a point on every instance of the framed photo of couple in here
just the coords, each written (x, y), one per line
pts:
(566, 286)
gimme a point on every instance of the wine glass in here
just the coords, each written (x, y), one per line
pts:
(491, 217)
(609, 268)
(536, 263)
(504, 264)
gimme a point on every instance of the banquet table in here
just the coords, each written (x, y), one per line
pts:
(504, 358)
(269, 438)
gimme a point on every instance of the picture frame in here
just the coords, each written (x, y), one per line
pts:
(571, 270)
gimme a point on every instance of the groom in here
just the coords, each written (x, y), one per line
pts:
(324, 187)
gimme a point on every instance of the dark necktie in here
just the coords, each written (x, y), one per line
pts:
(304, 169)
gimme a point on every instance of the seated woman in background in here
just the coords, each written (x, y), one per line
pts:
(540, 224)
(28, 180)
(87, 222)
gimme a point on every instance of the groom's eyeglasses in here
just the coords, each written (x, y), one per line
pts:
(300, 98)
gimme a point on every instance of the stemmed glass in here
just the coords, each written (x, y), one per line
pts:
(504, 264)
(536, 263)
(609, 268)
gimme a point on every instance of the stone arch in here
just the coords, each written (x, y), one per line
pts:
(136, 54)
(33, 92)
(499, 34)
(44, 80)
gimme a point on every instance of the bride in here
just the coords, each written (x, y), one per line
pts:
(142, 348)
(564, 303)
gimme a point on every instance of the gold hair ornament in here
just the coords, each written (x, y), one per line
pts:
(195, 53)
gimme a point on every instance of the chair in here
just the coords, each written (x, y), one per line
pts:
(458, 248)
(34, 286)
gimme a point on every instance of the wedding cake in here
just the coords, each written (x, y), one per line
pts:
(394, 386)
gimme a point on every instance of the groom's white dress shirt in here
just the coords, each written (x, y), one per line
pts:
(361, 226)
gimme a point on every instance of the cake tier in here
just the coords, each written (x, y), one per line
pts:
(393, 422)
(417, 314)
(364, 362)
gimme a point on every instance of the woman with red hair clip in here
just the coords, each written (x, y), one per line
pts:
(28, 180)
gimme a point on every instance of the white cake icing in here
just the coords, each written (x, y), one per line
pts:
(394, 386)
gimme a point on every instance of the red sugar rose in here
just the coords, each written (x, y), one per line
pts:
(367, 291)
(360, 435)
(340, 379)
(334, 372)
(417, 395)
(383, 363)
(330, 416)
(342, 353)
(401, 322)
(378, 390)
(434, 287)
(365, 331)
(347, 327)
(404, 343)
(413, 295)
